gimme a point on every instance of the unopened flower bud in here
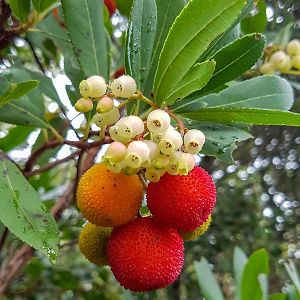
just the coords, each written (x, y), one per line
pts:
(84, 105)
(279, 60)
(124, 86)
(267, 69)
(293, 47)
(193, 141)
(153, 175)
(116, 152)
(85, 89)
(158, 121)
(170, 142)
(104, 105)
(295, 62)
(98, 86)
(137, 153)
(186, 163)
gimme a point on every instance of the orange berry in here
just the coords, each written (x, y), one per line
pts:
(93, 242)
(108, 199)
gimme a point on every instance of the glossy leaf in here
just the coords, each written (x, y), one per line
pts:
(199, 23)
(140, 39)
(245, 116)
(235, 59)
(196, 78)
(239, 262)
(167, 11)
(257, 264)
(42, 5)
(17, 90)
(23, 213)
(14, 138)
(20, 9)
(208, 284)
(257, 22)
(267, 92)
(89, 39)
(221, 140)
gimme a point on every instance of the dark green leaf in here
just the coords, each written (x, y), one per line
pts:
(235, 59)
(124, 6)
(239, 262)
(88, 38)
(42, 5)
(23, 213)
(20, 9)
(267, 92)
(167, 11)
(199, 23)
(257, 264)
(245, 116)
(258, 22)
(208, 284)
(140, 39)
(220, 139)
(195, 79)
(15, 137)
(17, 90)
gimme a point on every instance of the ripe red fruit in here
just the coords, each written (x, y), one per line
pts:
(145, 256)
(182, 202)
(111, 6)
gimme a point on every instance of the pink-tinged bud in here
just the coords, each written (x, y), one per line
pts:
(171, 141)
(293, 48)
(124, 86)
(85, 89)
(84, 105)
(104, 105)
(193, 141)
(98, 86)
(137, 153)
(116, 152)
(186, 163)
(158, 121)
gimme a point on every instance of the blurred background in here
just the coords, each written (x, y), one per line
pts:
(258, 196)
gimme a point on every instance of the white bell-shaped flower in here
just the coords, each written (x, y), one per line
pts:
(85, 89)
(293, 48)
(115, 152)
(171, 141)
(158, 121)
(124, 86)
(194, 140)
(98, 86)
(137, 153)
(186, 163)
(153, 174)
(106, 119)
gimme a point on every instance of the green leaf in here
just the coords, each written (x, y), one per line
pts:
(89, 38)
(196, 78)
(245, 116)
(15, 137)
(266, 92)
(220, 139)
(42, 5)
(17, 90)
(208, 284)
(235, 59)
(23, 213)
(167, 11)
(20, 9)
(239, 262)
(257, 264)
(199, 23)
(124, 6)
(140, 39)
(278, 297)
(284, 35)
(258, 22)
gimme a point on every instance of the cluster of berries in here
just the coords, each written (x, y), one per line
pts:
(153, 145)
(144, 252)
(283, 60)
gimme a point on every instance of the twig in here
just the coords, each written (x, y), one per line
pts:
(35, 55)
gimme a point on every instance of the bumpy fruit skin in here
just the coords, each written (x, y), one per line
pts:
(93, 242)
(111, 6)
(108, 199)
(144, 256)
(193, 235)
(182, 202)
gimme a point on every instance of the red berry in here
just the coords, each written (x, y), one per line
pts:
(119, 73)
(145, 256)
(111, 6)
(182, 202)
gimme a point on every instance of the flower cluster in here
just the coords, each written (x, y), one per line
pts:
(153, 145)
(283, 60)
